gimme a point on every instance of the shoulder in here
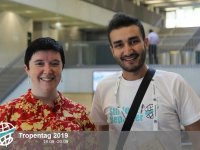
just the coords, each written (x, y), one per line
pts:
(109, 81)
(9, 108)
(72, 106)
(166, 75)
(12, 103)
(169, 80)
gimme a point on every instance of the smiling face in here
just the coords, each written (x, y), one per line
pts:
(45, 68)
(129, 48)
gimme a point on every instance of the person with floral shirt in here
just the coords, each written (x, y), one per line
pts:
(43, 108)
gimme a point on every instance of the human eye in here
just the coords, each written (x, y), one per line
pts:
(118, 45)
(133, 41)
(55, 63)
(39, 63)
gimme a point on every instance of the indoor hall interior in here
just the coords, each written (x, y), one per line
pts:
(80, 26)
(83, 36)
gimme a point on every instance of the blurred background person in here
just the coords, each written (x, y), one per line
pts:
(153, 43)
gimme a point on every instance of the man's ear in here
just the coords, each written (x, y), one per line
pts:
(112, 51)
(146, 42)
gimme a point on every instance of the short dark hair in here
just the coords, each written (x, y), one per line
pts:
(43, 44)
(122, 20)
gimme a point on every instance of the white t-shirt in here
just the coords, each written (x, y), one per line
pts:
(168, 102)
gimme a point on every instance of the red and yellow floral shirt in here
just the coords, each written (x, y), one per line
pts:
(27, 113)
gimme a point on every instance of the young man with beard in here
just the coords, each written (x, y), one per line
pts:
(169, 101)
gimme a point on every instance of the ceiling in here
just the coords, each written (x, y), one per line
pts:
(168, 5)
(43, 15)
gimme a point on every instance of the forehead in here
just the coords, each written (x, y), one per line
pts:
(125, 33)
(46, 54)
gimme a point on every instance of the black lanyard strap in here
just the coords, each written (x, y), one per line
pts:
(134, 107)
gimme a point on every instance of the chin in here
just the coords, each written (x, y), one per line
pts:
(48, 89)
(132, 68)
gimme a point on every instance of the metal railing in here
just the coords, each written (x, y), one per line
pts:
(11, 76)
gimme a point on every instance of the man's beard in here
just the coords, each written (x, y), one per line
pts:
(134, 68)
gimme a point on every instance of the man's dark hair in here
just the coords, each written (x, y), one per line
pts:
(122, 20)
(43, 44)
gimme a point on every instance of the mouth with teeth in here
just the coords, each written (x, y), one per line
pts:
(130, 57)
(47, 79)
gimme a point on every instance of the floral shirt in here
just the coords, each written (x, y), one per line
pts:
(27, 113)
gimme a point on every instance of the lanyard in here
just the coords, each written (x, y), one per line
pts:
(116, 92)
(155, 102)
(155, 109)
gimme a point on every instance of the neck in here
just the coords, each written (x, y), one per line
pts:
(135, 75)
(46, 98)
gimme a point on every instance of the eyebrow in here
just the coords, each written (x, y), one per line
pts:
(130, 38)
(39, 60)
(116, 42)
(56, 60)
(133, 38)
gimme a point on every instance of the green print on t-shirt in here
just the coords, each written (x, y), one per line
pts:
(118, 115)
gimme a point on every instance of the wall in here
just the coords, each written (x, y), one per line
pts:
(42, 29)
(68, 35)
(13, 39)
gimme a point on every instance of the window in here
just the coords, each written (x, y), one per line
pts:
(183, 17)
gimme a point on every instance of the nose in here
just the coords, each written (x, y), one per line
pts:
(127, 48)
(47, 69)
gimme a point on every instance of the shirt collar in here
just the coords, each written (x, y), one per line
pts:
(31, 99)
